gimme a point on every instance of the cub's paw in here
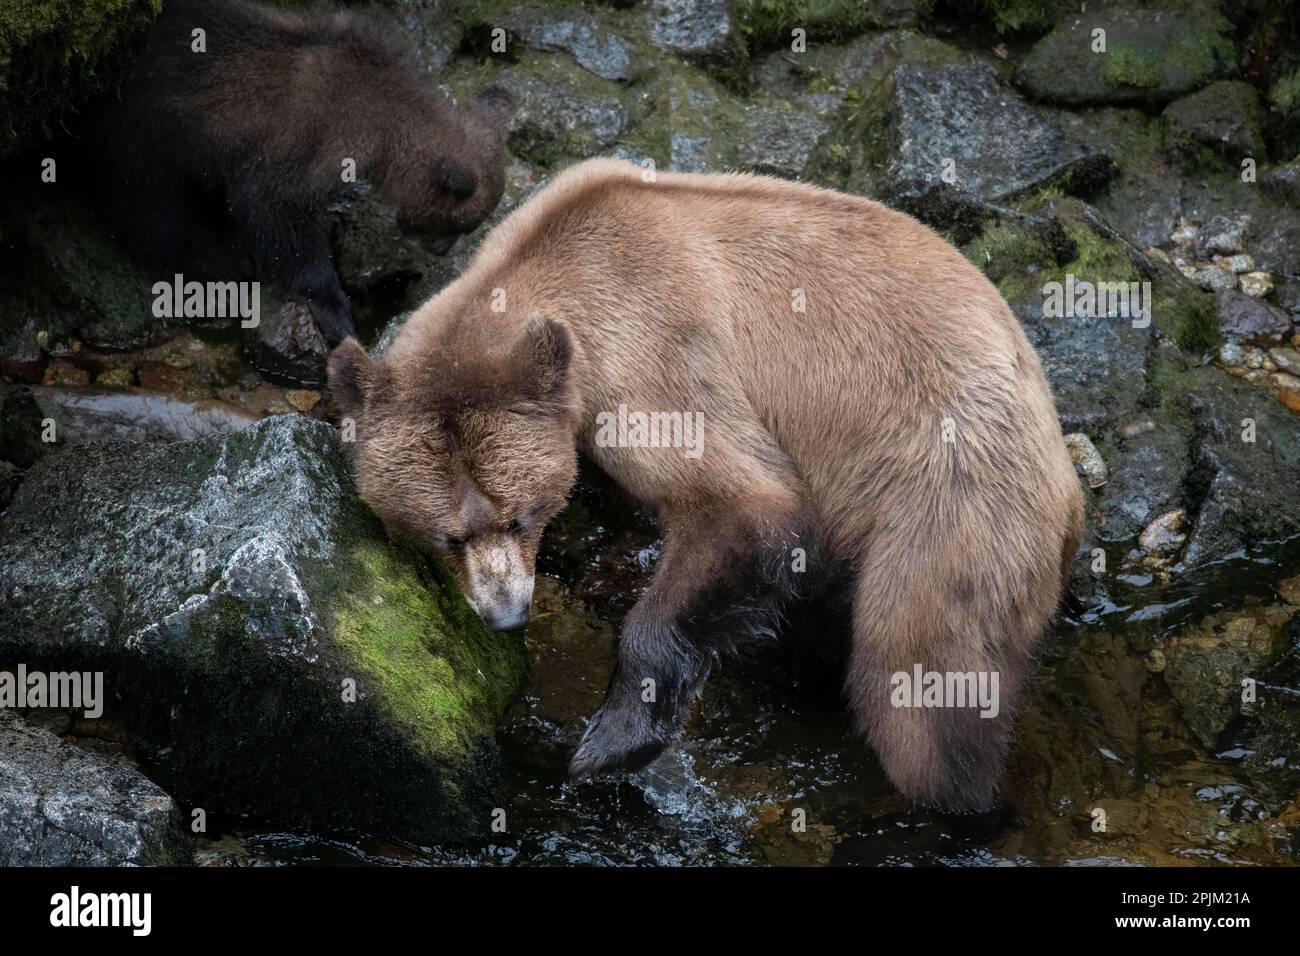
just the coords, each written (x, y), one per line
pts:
(617, 739)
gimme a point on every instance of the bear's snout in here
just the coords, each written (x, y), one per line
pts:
(499, 584)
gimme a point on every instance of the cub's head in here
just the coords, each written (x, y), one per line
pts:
(451, 174)
(467, 453)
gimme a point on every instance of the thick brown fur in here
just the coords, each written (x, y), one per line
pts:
(264, 120)
(900, 427)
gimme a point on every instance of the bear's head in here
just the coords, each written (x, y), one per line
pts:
(449, 173)
(466, 453)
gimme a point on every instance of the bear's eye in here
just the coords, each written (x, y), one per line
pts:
(515, 527)
(453, 544)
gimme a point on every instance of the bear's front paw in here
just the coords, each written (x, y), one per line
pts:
(617, 739)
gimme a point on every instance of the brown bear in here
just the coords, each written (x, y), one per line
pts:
(259, 109)
(867, 402)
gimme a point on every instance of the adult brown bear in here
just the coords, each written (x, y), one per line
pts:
(866, 396)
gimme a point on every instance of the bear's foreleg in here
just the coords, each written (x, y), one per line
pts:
(725, 569)
(289, 244)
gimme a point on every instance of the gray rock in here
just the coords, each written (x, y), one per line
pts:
(1215, 279)
(690, 154)
(699, 30)
(293, 589)
(694, 29)
(553, 119)
(997, 145)
(596, 49)
(1222, 236)
(778, 141)
(1250, 320)
(1284, 181)
(61, 805)
(433, 28)
(1151, 56)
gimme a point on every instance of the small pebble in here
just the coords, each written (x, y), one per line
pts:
(1085, 455)
(1185, 235)
(120, 377)
(1231, 354)
(1257, 284)
(1133, 429)
(65, 373)
(1164, 534)
(1238, 263)
(1286, 358)
(303, 399)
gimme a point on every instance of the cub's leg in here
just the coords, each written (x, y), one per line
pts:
(289, 244)
(726, 567)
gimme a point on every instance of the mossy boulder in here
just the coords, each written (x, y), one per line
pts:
(1225, 116)
(1149, 56)
(266, 645)
(56, 54)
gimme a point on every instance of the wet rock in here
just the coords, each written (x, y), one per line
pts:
(699, 30)
(243, 575)
(777, 141)
(61, 805)
(1151, 56)
(289, 345)
(1206, 664)
(1164, 536)
(1146, 476)
(950, 140)
(1224, 116)
(1249, 320)
(1244, 454)
(596, 49)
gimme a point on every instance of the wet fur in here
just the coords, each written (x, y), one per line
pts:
(823, 430)
(263, 120)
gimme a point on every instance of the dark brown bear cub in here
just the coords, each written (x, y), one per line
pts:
(848, 392)
(262, 110)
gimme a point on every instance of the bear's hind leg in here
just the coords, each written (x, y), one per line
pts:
(944, 642)
(725, 568)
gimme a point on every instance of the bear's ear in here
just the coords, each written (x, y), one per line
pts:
(352, 375)
(495, 106)
(546, 353)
